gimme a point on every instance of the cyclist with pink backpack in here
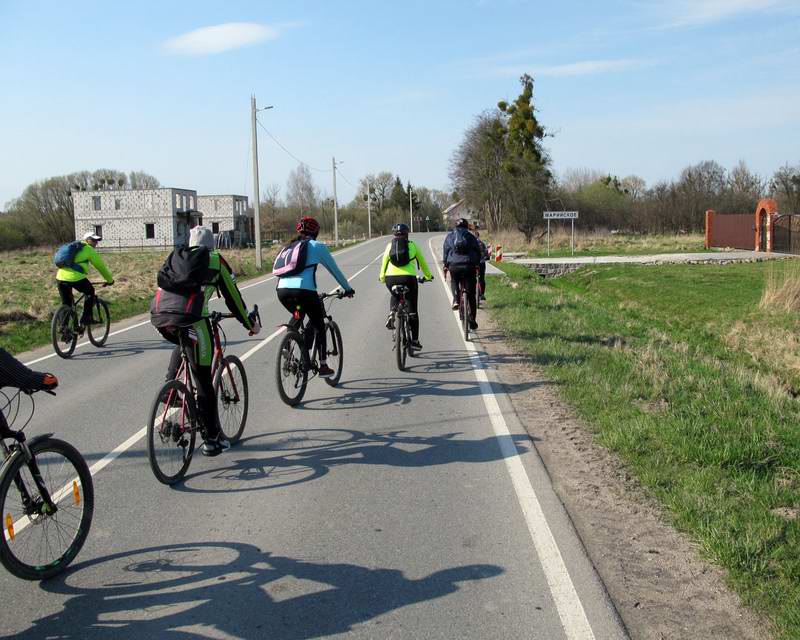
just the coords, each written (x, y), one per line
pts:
(296, 268)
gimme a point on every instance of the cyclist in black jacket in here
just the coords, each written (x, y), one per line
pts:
(461, 255)
(15, 374)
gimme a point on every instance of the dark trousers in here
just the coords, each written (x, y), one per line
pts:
(482, 277)
(412, 298)
(465, 274)
(199, 339)
(84, 286)
(307, 302)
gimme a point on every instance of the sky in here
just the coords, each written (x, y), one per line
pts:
(641, 87)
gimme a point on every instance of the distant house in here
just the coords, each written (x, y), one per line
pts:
(228, 217)
(455, 211)
(157, 217)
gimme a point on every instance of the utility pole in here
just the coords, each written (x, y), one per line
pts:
(335, 209)
(369, 211)
(411, 207)
(257, 198)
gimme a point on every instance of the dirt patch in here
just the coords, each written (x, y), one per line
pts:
(661, 586)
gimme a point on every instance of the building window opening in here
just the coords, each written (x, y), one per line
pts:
(117, 204)
(98, 230)
(215, 227)
(150, 231)
(96, 203)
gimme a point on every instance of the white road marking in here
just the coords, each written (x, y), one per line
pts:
(106, 460)
(570, 609)
(144, 322)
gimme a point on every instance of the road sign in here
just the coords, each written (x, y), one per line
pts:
(560, 215)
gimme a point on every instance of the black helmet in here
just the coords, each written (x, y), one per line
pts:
(400, 229)
(463, 223)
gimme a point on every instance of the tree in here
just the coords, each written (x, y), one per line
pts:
(399, 197)
(301, 192)
(785, 186)
(634, 186)
(142, 180)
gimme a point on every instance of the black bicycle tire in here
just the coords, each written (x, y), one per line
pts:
(465, 315)
(151, 454)
(291, 336)
(101, 304)
(337, 336)
(10, 469)
(399, 342)
(233, 361)
(55, 331)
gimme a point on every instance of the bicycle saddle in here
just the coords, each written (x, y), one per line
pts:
(400, 289)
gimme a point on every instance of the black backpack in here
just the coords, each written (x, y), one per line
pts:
(399, 254)
(185, 270)
(461, 243)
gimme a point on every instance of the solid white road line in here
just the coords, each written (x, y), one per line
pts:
(144, 322)
(122, 448)
(570, 609)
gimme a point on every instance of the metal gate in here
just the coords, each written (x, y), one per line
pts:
(786, 234)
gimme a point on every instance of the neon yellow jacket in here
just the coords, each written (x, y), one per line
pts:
(388, 269)
(85, 256)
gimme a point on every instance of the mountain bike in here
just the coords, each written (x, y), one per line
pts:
(173, 424)
(401, 336)
(295, 362)
(46, 499)
(64, 326)
(463, 306)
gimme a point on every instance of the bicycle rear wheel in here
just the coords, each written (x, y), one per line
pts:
(171, 432)
(98, 333)
(230, 388)
(334, 352)
(400, 341)
(291, 375)
(64, 331)
(36, 544)
(463, 310)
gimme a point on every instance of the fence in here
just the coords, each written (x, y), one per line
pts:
(734, 230)
(786, 234)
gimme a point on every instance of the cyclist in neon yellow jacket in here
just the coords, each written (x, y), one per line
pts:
(69, 279)
(400, 262)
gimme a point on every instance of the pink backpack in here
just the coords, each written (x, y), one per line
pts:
(291, 260)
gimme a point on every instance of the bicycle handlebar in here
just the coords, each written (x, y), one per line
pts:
(337, 294)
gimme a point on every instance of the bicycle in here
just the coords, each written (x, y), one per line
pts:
(172, 426)
(463, 307)
(294, 362)
(46, 499)
(401, 336)
(64, 326)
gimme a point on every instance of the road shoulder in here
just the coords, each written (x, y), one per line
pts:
(659, 583)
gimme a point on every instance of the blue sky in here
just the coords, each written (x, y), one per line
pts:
(627, 86)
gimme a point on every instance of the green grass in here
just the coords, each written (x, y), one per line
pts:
(661, 363)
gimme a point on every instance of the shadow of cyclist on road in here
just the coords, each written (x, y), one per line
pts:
(210, 589)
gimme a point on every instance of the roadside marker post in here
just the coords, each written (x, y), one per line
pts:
(572, 216)
(498, 253)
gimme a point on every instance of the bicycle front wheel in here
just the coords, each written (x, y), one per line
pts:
(171, 432)
(335, 353)
(400, 341)
(39, 542)
(98, 333)
(230, 388)
(291, 375)
(64, 331)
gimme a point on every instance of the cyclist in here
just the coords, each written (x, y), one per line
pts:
(461, 255)
(398, 267)
(202, 262)
(78, 279)
(484, 258)
(15, 374)
(299, 292)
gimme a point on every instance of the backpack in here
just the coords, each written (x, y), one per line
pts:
(291, 260)
(180, 298)
(460, 244)
(399, 254)
(64, 257)
(185, 270)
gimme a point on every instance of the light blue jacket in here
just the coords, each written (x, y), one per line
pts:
(318, 253)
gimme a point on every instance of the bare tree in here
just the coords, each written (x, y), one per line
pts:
(142, 180)
(785, 187)
(301, 192)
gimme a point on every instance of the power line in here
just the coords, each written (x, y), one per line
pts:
(344, 177)
(275, 140)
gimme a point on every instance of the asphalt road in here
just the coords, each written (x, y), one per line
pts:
(397, 505)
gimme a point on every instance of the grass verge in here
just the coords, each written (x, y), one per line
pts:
(694, 384)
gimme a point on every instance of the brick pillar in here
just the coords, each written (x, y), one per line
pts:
(709, 225)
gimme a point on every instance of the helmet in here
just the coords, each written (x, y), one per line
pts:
(400, 229)
(307, 226)
(463, 223)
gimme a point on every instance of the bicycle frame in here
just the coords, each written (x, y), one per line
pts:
(301, 327)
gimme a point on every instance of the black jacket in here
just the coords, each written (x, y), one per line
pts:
(470, 256)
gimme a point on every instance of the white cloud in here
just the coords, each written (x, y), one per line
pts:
(582, 68)
(692, 13)
(220, 38)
